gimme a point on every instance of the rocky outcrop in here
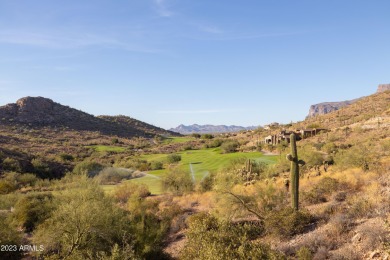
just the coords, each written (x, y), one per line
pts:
(209, 129)
(43, 112)
(327, 107)
(383, 88)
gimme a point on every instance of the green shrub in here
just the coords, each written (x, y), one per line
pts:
(206, 184)
(208, 238)
(9, 236)
(304, 254)
(173, 158)
(85, 224)
(177, 182)
(41, 168)
(89, 169)
(124, 191)
(138, 164)
(156, 165)
(187, 147)
(287, 222)
(111, 175)
(27, 179)
(329, 148)
(230, 146)
(207, 136)
(11, 164)
(31, 210)
(215, 143)
(66, 157)
(361, 156)
(12, 181)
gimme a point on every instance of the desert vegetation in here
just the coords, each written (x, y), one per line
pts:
(87, 195)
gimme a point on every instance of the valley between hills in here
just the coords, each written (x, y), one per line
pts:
(114, 187)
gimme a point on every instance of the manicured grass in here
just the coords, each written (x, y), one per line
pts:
(107, 148)
(174, 140)
(202, 162)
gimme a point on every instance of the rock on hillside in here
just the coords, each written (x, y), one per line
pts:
(43, 112)
(383, 88)
(205, 129)
(327, 107)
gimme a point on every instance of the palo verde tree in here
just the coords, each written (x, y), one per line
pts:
(294, 171)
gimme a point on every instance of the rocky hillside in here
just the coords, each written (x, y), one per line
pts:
(205, 129)
(383, 88)
(327, 107)
(368, 112)
(38, 112)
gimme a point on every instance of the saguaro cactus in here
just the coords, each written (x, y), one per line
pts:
(294, 173)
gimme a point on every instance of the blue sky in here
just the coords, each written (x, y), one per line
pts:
(169, 62)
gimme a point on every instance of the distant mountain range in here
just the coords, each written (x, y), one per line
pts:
(208, 129)
(38, 112)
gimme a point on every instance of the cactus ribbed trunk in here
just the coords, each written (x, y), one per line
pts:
(294, 173)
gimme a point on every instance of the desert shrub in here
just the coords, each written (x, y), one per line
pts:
(12, 181)
(11, 164)
(187, 147)
(207, 136)
(149, 227)
(9, 236)
(66, 157)
(156, 165)
(9, 200)
(85, 224)
(124, 191)
(41, 168)
(206, 184)
(27, 179)
(318, 146)
(321, 190)
(314, 125)
(111, 175)
(360, 156)
(340, 196)
(287, 222)
(214, 143)
(209, 238)
(177, 182)
(7, 186)
(230, 146)
(340, 223)
(138, 164)
(311, 158)
(359, 207)
(196, 135)
(304, 254)
(329, 148)
(87, 168)
(31, 210)
(173, 158)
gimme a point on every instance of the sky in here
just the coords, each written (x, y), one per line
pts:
(171, 62)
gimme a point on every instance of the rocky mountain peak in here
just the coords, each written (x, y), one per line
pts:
(42, 112)
(383, 88)
(35, 104)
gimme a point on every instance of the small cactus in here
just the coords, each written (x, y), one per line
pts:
(293, 157)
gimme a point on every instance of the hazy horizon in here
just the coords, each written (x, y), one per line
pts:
(169, 62)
